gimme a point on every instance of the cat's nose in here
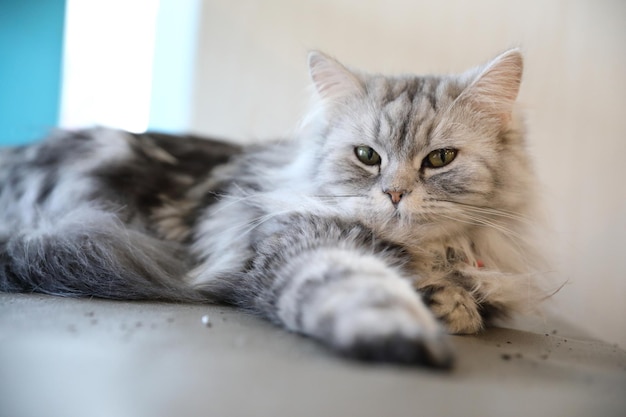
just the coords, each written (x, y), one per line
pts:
(395, 196)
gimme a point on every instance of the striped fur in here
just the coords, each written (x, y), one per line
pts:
(376, 261)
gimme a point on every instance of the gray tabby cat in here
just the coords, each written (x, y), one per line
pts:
(398, 213)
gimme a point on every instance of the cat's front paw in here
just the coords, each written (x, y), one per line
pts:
(455, 307)
(380, 320)
(392, 335)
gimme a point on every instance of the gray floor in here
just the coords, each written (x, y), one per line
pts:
(65, 357)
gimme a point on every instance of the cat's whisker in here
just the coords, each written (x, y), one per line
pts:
(339, 196)
(258, 222)
(491, 210)
(500, 213)
(469, 221)
(479, 221)
(229, 201)
(515, 238)
(499, 227)
(247, 227)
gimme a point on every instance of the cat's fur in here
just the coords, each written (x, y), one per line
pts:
(376, 261)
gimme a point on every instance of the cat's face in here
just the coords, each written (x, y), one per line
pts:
(440, 153)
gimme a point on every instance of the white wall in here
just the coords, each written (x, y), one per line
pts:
(175, 52)
(250, 84)
(107, 63)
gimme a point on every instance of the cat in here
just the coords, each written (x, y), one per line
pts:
(400, 212)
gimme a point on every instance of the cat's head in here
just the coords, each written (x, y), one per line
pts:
(442, 153)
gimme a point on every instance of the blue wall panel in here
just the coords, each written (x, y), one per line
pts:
(31, 45)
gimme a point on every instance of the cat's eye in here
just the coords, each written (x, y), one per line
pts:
(440, 158)
(367, 155)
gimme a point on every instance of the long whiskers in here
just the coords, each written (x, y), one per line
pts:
(251, 224)
(515, 238)
(492, 211)
(229, 200)
(330, 197)
(258, 221)
(481, 221)
(248, 226)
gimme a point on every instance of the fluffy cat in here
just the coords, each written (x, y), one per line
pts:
(398, 213)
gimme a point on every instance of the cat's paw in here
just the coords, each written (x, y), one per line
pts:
(392, 335)
(382, 320)
(455, 307)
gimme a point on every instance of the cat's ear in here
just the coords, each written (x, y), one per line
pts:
(332, 80)
(494, 87)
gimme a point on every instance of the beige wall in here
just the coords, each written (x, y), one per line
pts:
(251, 84)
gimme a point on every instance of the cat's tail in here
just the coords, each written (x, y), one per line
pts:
(89, 252)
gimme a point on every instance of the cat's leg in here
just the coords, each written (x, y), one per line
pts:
(455, 306)
(330, 282)
(466, 301)
(360, 306)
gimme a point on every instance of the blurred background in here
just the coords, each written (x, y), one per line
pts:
(237, 70)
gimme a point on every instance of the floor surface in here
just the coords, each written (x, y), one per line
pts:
(93, 358)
